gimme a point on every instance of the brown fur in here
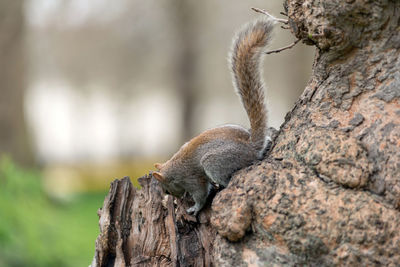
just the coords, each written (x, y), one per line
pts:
(246, 58)
(226, 133)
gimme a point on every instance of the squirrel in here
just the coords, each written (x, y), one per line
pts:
(214, 155)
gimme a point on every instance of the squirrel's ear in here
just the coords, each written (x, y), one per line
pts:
(158, 166)
(159, 177)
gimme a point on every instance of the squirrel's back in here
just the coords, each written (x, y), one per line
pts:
(245, 60)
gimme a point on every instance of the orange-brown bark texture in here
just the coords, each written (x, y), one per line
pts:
(328, 192)
(148, 228)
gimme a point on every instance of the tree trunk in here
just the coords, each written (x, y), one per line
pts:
(14, 139)
(146, 228)
(186, 62)
(329, 191)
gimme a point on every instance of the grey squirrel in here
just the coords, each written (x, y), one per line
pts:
(214, 155)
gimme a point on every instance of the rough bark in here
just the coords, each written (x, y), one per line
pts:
(146, 228)
(329, 192)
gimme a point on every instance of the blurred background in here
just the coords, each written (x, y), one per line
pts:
(96, 90)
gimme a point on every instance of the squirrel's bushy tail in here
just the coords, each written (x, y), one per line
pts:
(245, 60)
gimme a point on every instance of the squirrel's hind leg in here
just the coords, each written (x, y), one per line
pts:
(199, 195)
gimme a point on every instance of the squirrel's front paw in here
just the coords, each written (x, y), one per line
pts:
(192, 210)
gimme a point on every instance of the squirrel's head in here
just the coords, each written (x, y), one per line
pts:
(167, 183)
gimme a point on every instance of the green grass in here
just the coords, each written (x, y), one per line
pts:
(38, 231)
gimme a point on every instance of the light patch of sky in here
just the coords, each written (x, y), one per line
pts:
(95, 126)
(49, 115)
(151, 124)
(37, 12)
(69, 125)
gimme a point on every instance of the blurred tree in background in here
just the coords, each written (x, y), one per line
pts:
(186, 63)
(14, 138)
